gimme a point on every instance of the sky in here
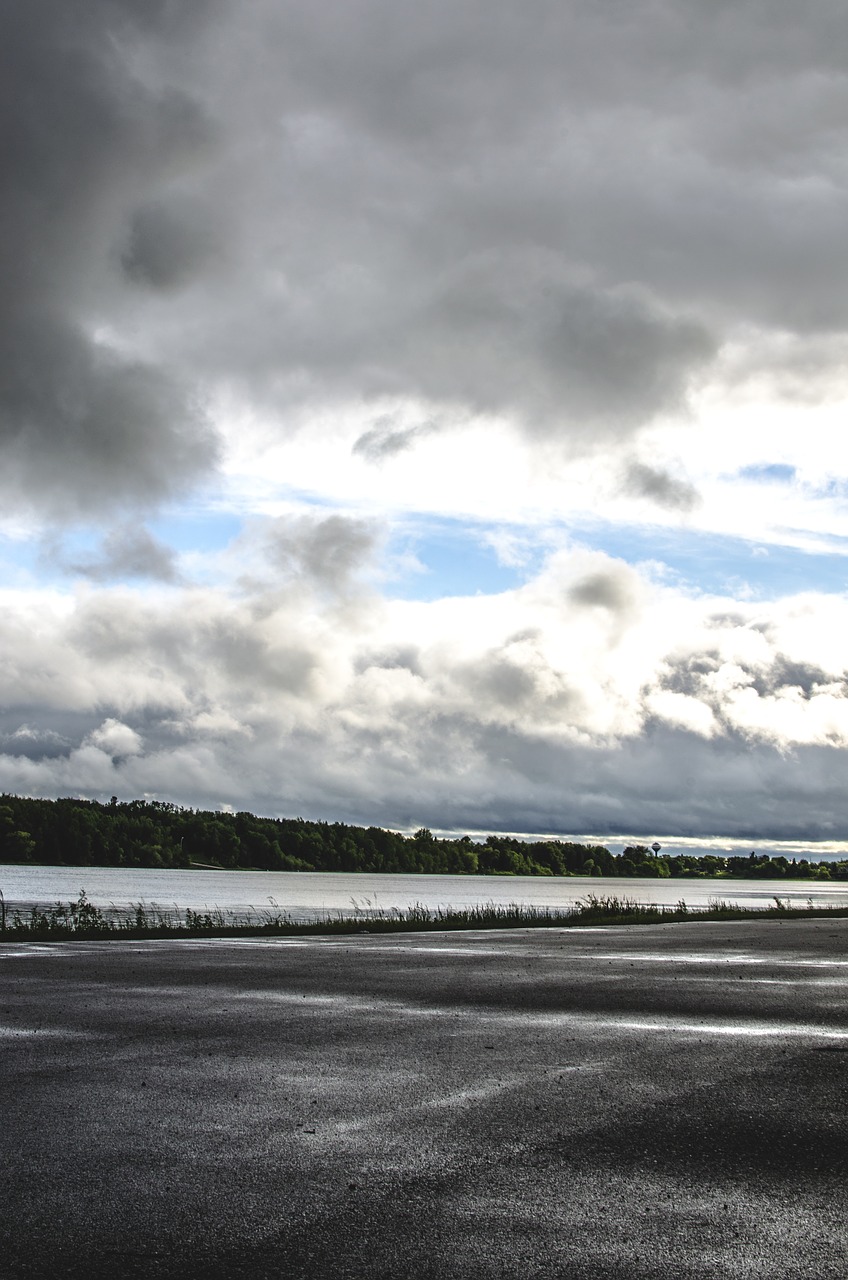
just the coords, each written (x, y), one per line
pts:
(428, 415)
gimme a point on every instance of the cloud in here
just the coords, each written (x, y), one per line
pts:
(39, 743)
(321, 553)
(129, 551)
(327, 551)
(260, 202)
(387, 439)
(613, 588)
(656, 484)
(84, 429)
(88, 419)
(611, 703)
(167, 246)
(583, 245)
(115, 739)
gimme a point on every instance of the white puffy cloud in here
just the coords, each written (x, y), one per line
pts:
(115, 739)
(590, 698)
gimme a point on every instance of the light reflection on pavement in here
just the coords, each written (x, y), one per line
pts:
(645, 1102)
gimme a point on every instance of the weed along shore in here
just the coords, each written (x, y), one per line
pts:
(82, 919)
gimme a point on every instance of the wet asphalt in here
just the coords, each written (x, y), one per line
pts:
(638, 1102)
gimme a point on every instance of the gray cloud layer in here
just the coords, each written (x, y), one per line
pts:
(87, 422)
(557, 215)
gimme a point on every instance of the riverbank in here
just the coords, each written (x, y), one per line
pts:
(82, 919)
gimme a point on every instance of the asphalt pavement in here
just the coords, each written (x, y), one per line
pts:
(664, 1101)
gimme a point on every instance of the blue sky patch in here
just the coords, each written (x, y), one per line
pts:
(457, 559)
(773, 473)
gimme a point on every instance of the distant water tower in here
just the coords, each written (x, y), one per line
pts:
(656, 846)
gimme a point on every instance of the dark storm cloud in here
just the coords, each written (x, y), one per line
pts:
(85, 424)
(166, 246)
(84, 429)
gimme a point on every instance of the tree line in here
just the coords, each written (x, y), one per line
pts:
(151, 833)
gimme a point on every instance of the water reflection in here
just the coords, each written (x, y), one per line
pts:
(312, 895)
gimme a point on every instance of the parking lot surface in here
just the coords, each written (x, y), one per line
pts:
(663, 1101)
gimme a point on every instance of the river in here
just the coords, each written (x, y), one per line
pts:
(312, 895)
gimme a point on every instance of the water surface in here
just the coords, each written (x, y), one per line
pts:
(308, 895)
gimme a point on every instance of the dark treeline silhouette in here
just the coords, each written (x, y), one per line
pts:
(150, 833)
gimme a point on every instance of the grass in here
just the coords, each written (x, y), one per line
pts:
(83, 920)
